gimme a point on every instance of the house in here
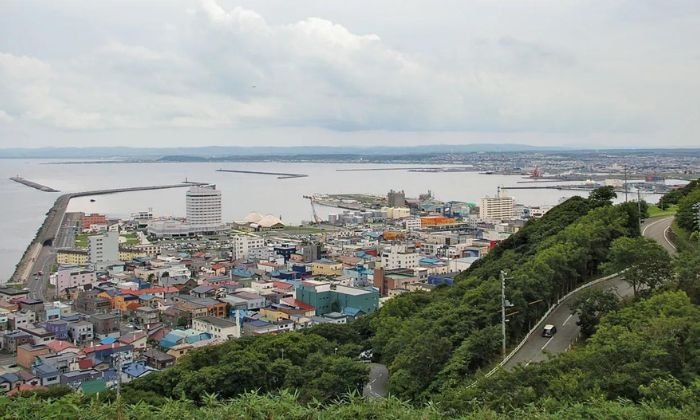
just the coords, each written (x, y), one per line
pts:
(203, 291)
(158, 359)
(27, 353)
(80, 331)
(57, 327)
(11, 295)
(104, 324)
(200, 306)
(107, 353)
(9, 381)
(75, 378)
(47, 374)
(146, 316)
(14, 339)
(135, 370)
(176, 337)
(326, 268)
(137, 339)
(88, 302)
(217, 327)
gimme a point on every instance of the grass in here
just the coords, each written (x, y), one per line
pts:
(655, 211)
(131, 238)
(81, 240)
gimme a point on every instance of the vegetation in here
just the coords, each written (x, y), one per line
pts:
(646, 265)
(81, 240)
(656, 211)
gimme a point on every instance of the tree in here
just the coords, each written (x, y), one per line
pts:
(687, 268)
(591, 305)
(603, 194)
(646, 265)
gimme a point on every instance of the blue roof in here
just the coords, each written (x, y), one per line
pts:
(351, 311)
(137, 369)
(108, 340)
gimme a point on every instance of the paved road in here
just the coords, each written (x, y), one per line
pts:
(378, 379)
(657, 229)
(538, 348)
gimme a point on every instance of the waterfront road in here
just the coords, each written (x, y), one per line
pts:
(378, 379)
(537, 348)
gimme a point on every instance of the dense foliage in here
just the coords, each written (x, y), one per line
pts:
(676, 195)
(648, 352)
(318, 368)
(437, 341)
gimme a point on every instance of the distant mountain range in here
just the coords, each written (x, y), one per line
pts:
(230, 151)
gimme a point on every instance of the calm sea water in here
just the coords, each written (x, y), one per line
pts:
(241, 193)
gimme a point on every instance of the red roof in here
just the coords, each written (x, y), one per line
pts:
(297, 304)
(131, 337)
(59, 345)
(85, 363)
(217, 266)
(282, 285)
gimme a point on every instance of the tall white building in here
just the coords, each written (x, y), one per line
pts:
(103, 248)
(497, 208)
(398, 256)
(244, 245)
(204, 205)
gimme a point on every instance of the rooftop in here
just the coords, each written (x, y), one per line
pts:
(217, 322)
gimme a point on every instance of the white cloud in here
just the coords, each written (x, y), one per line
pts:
(217, 67)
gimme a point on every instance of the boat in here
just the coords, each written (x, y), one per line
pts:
(92, 200)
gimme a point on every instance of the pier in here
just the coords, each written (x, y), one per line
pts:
(40, 253)
(280, 175)
(32, 184)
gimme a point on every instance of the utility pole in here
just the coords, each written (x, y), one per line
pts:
(639, 209)
(503, 311)
(625, 184)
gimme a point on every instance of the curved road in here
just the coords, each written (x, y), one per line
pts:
(537, 348)
(377, 385)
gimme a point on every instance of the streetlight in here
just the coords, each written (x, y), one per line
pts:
(504, 304)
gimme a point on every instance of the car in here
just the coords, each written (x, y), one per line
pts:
(549, 330)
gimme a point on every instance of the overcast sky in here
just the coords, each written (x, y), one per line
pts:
(613, 73)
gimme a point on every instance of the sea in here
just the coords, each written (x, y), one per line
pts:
(25, 207)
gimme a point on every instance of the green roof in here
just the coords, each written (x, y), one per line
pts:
(93, 387)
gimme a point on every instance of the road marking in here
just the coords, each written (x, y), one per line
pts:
(548, 341)
(666, 238)
(567, 320)
(644, 231)
(528, 362)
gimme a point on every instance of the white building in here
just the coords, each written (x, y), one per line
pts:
(243, 244)
(497, 208)
(204, 205)
(399, 257)
(67, 277)
(104, 247)
(413, 223)
(217, 327)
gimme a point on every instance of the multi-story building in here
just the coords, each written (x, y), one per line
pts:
(327, 297)
(413, 223)
(67, 277)
(9, 294)
(203, 206)
(326, 268)
(71, 256)
(92, 221)
(103, 247)
(398, 256)
(243, 244)
(396, 198)
(80, 331)
(497, 208)
(217, 327)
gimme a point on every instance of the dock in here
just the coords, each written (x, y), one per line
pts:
(280, 175)
(32, 184)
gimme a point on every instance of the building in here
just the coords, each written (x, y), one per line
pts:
(327, 297)
(69, 256)
(67, 277)
(387, 280)
(80, 332)
(217, 327)
(326, 268)
(103, 247)
(243, 244)
(203, 204)
(497, 208)
(9, 294)
(396, 212)
(398, 256)
(93, 221)
(105, 324)
(396, 199)
(412, 224)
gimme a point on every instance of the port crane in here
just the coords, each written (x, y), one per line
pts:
(311, 199)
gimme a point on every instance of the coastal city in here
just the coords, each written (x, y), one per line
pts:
(99, 301)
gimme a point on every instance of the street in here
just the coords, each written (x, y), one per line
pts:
(537, 348)
(377, 385)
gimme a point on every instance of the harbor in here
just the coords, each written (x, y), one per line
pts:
(280, 175)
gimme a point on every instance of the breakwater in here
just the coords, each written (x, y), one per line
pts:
(54, 218)
(32, 184)
(280, 175)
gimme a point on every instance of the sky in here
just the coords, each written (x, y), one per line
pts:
(613, 73)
